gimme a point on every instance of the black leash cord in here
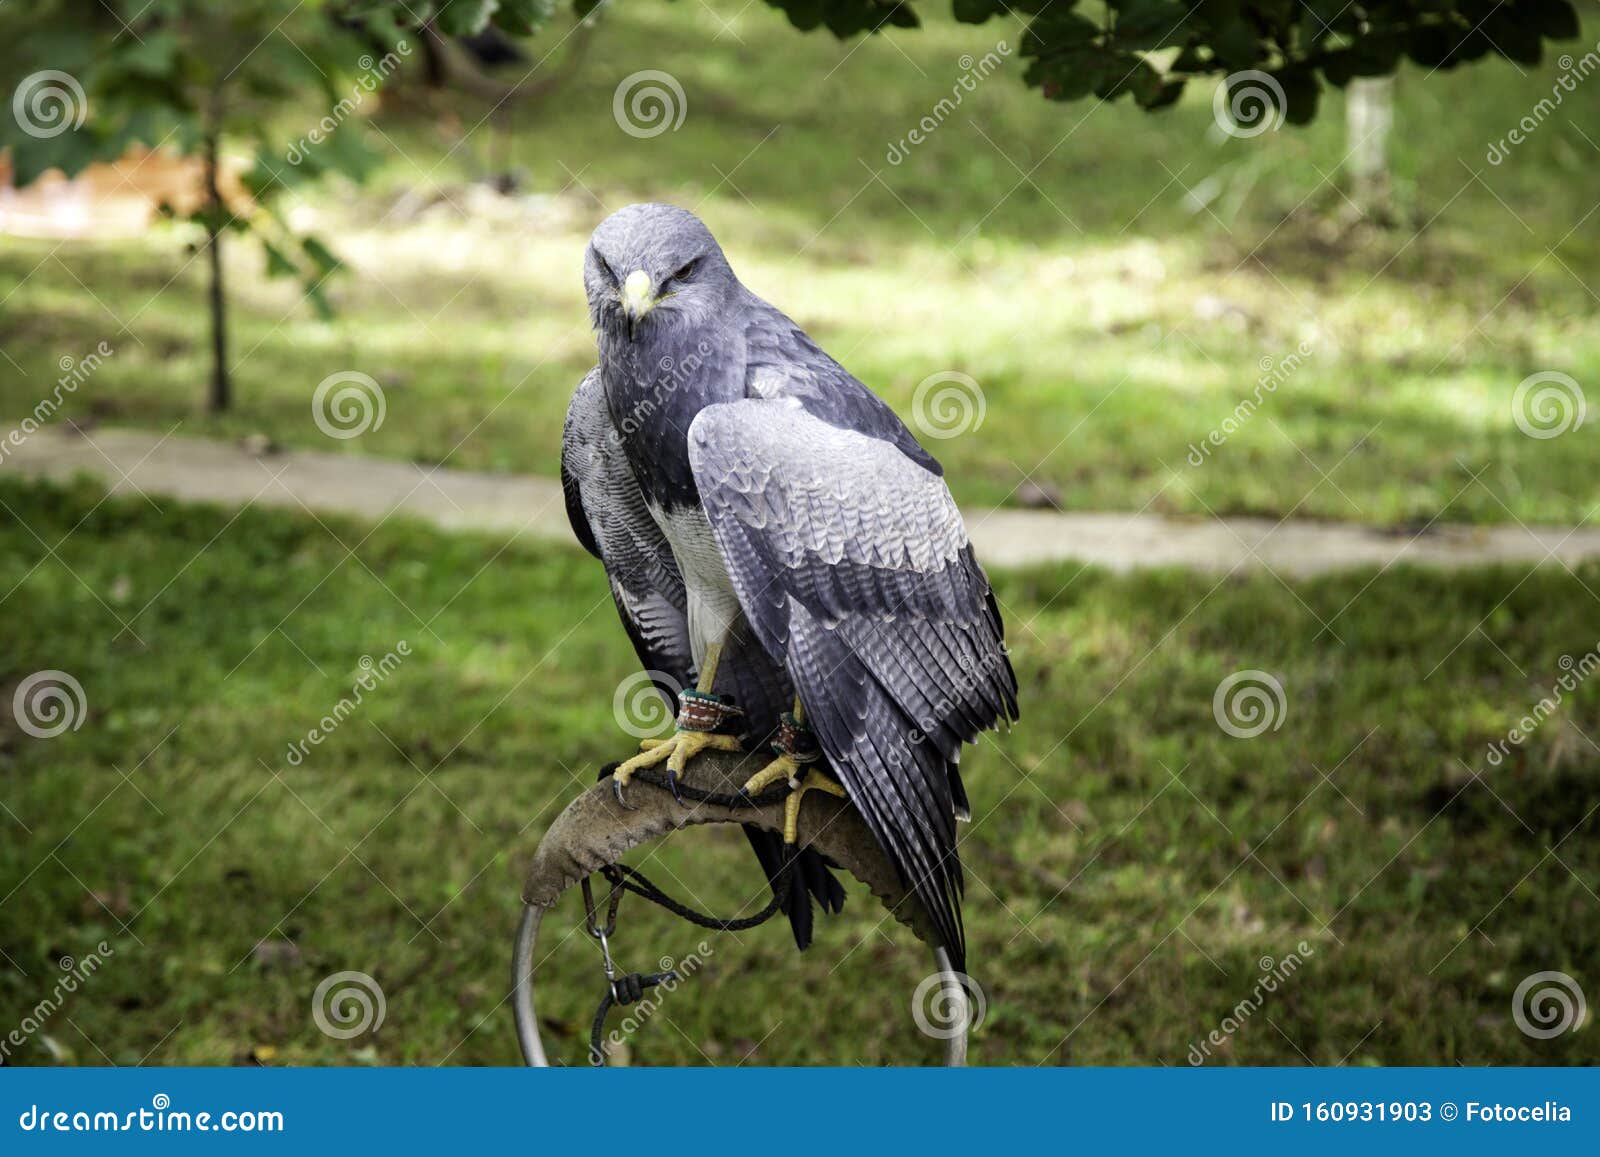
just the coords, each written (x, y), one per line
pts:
(627, 989)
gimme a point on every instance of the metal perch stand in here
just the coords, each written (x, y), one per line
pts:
(595, 832)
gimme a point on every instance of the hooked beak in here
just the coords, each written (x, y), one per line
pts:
(636, 297)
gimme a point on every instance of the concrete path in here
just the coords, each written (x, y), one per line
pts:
(373, 488)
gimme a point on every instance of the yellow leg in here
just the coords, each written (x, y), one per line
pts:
(814, 781)
(677, 749)
(783, 768)
(708, 669)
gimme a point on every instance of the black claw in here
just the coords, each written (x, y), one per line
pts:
(616, 790)
(672, 785)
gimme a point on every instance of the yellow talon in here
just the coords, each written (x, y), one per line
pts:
(782, 769)
(676, 750)
(814, 781)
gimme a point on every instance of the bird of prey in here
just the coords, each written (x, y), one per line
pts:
(775, 539)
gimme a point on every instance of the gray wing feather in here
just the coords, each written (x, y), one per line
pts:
(609, 516)
(854, 569)
(611, 519)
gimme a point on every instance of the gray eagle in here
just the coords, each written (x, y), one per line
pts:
(782, 551)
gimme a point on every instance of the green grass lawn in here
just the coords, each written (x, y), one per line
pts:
(1115, 282)
(1130, 863)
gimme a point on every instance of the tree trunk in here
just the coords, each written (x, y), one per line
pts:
(216, 218)
(1369, 114)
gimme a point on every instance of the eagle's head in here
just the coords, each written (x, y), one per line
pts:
(653, 265)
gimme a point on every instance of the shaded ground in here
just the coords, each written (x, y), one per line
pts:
(1115, 283)
(1131, 864)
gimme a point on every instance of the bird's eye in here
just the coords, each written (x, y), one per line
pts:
(687, 272)
(605, 269)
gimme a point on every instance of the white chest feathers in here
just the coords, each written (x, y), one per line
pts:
(713, 606)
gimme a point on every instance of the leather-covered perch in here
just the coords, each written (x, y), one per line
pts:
(594, 831)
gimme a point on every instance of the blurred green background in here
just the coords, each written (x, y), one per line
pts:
(1115, 281)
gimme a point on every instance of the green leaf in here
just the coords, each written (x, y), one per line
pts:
(1236, 46)
(1058, 31)
(1514, 39)
(523, 17)
(465, 17)
(1300, 93)
(1553, 19)
(155, 56)
(278, 263)
(1166, 94)
(975, 11)
(1150, 24)
(325, 259)
(1377, 54)
(1431, 46)
(320, 304)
